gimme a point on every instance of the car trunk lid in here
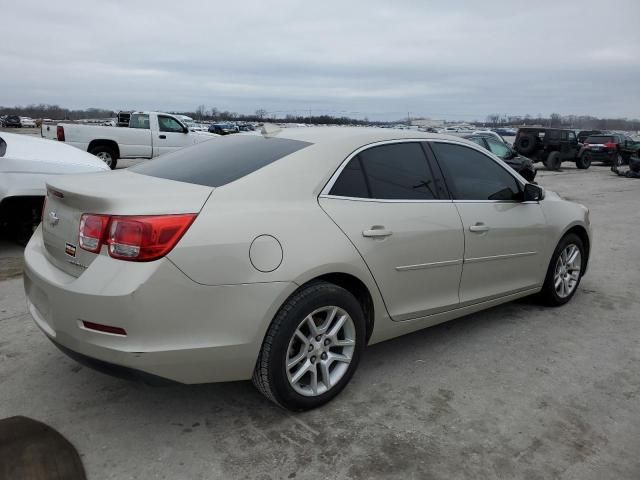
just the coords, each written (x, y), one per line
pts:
(111, 193)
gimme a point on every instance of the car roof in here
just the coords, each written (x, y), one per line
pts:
(358, 136)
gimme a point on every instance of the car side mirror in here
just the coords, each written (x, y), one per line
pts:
(185, 129)
(533, 193)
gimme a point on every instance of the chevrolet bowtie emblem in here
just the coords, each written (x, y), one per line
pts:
(53, 219)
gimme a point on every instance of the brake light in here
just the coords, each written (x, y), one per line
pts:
(60, 133)
(92, 229)
(134, 238)
(610, 145)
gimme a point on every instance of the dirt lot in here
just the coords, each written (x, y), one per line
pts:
(519, 391)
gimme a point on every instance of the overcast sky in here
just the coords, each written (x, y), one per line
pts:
(380, 59)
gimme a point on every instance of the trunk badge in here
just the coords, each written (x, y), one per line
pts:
(70, 249)
(53, 219)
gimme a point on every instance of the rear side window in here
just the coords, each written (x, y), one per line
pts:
(139, 120)
(471, 175)
(351, 182)
(397, 171)
(220, 161)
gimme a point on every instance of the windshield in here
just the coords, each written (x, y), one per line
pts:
(599, 139)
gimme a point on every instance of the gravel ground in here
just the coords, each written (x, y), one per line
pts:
(518, 391)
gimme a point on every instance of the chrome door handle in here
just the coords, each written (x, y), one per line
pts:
(377, 231)
(479, 228)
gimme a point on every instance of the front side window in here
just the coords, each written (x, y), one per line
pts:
(471, 175)
(572, 136)
(169, 124)
(498, 148)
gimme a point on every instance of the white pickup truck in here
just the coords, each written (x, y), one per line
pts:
(148, 135)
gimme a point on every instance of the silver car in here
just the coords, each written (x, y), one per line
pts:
(278, 257)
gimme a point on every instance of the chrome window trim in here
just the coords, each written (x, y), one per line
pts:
(381, 200)
(324, 193)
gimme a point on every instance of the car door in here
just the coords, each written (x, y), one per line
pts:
(389, 201)
(170, 136)
(504, 236)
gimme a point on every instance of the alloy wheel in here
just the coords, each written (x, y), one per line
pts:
(567, 272)
(320, 351)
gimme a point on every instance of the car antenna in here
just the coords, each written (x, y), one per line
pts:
(269, 129)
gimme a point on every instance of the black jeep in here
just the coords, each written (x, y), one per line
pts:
(551, 146)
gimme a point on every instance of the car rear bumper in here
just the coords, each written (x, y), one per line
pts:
(175, 328)
(606, 156)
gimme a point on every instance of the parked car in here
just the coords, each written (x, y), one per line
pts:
(614, 148)
(26, 163)
(522, 165)
(278, 257)
(147, 135)
(490, 134)
(583, 134)
(11, 121)
(222, 128)
(551, 146)
(505, 132)
(27, 122)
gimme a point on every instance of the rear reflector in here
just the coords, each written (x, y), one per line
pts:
(103, 328)
(134, 238)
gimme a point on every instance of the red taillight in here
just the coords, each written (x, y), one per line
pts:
(610, 145)
(60, 133)
(104, 328)
(92, 231)
(135, 238)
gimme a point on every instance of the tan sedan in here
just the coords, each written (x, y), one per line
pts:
(279, 257)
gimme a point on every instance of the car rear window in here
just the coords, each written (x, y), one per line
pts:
(220, 161)
(599, 139)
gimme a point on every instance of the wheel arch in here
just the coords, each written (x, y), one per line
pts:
(583, 235)
(104, 142)
(358, 289)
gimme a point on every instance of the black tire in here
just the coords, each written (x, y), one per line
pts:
(270, 375)
(107, 154)
(584, 161)
(553, 161)
(526, 143)
(548, 294)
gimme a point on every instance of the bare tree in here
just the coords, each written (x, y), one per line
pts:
(201, 112)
